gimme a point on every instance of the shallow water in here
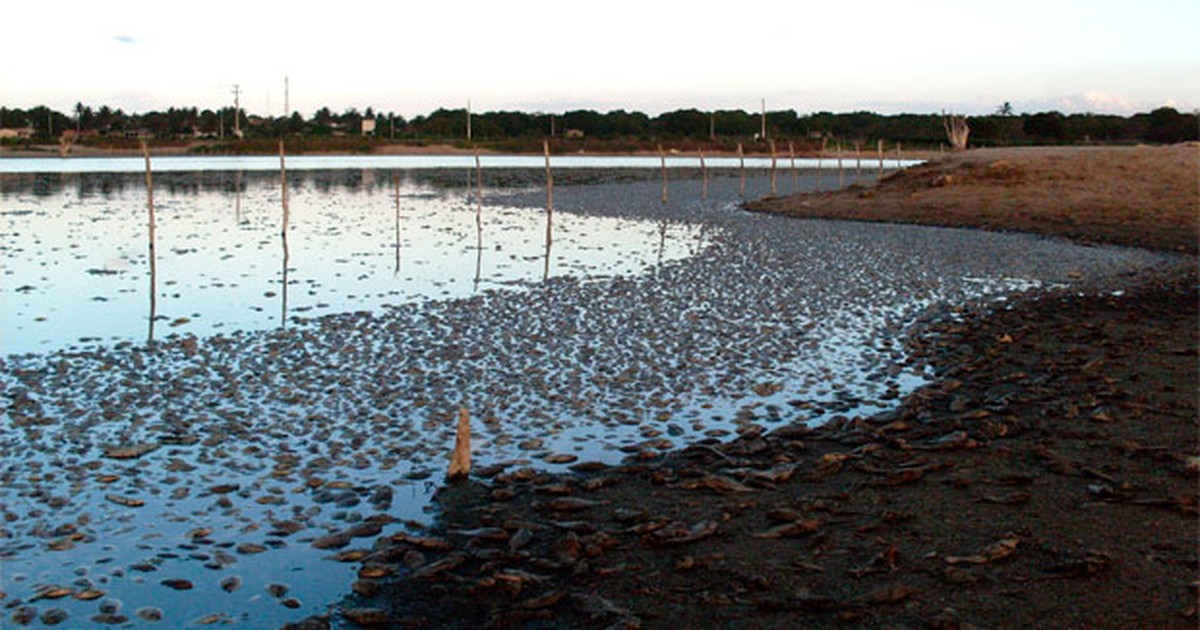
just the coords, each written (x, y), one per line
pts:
(260, 442)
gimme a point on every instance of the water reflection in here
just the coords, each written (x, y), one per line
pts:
(74, 263)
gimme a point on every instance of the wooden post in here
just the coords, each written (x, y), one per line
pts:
(662, 157)
(460, 459)
(150, 238)
(703, 177)
(742, 169)
(857, 161)
(773, 187)
(792, 158)
(899, 154)
(879, 146)
(549, 206)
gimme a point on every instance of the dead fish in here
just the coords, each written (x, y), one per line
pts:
(231, 583)
(349, 555)
(677, 534)
(431, 544)
(792, 529)
(179, 585)
(89, 594)
(371, 617)
(332, 541)
(124, 501)
(542, 601)
(521, 538)
(716, 483)
(485, 533)
(373, 571)
(129, 451)
(52, 592)
(569, 504)
(995, 551)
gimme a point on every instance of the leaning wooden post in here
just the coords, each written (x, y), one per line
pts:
(150, 238)
(703, 177)
(879, 146)
(460, 459)
(662, 157)
(742, 169)
(773, 187)
(792, 158)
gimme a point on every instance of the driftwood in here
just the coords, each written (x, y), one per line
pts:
(460, 459)
(956, 130)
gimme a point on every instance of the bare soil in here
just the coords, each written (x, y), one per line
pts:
(1048, 478)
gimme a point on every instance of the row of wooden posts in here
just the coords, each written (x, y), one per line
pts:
(791, 156)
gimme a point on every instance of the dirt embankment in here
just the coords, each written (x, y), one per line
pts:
(1138, 196)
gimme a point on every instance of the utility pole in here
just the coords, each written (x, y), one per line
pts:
(764, 119)
(237, 123)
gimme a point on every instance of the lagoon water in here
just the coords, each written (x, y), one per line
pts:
(257, 424)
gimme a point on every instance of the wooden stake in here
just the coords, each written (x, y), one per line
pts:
(879, 145)
(460, 459)
(662, 157)
(703, 177)
(773, 187)
(857, 161)
(150, 238)
(742, 169)
(792, 158)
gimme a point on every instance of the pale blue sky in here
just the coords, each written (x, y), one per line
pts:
(913, 56)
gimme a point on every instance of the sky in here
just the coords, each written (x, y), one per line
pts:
(916, 56)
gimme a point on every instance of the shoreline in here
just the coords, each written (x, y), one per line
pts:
(1014, 490)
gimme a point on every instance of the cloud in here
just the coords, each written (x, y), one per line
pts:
(125, 39)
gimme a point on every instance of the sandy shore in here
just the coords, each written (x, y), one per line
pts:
(1020, 489)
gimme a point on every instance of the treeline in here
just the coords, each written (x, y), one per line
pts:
(722, 127)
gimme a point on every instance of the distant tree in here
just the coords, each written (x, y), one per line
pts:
(1046, 126)
(1006, 109)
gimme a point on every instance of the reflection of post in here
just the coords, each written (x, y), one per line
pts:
(742, 169)
(396, 186)
(820, 158)
(857, 161)
(773, 187)
(237, 198)
(662, 239)
(662, 157)
(703, 177)
(150, 236)
(478, 267)
(478, 202)
(284, 235)
(792, 158)
(549, 207)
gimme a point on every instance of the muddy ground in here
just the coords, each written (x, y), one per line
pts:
(1047, 478)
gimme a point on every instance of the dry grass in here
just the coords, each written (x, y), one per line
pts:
(1137, 196)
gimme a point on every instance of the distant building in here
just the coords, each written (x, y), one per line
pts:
(368, 126)
(19, 133)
